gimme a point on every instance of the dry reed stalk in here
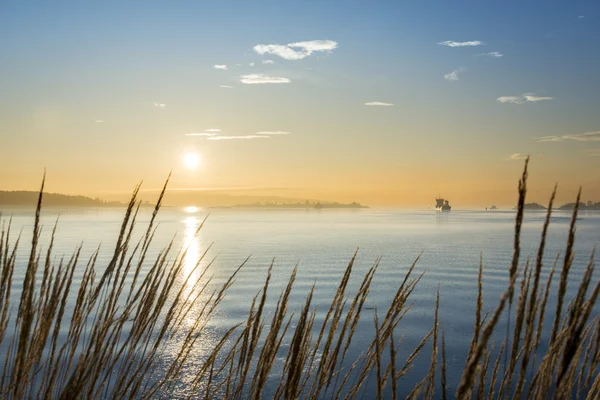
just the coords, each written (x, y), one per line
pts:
(444, 366)
(565, 270)
(516, 248)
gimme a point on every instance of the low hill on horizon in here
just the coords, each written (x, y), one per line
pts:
(30, 198)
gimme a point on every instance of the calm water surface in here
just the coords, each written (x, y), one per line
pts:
(322, 242)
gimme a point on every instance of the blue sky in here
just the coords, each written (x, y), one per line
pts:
(69, 64)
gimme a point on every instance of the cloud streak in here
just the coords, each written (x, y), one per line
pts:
(254, 79)
(242, 137)
(273, 133)
(160, 105)
(226, 86)
(451, 43)
(453, 76)
(519, 156)
(522, 99)
(579, 137)
(221, 66)
(493, 54)
(201, 134)
(268, 62)
(592, 152)
(296, 51)
(379, 104)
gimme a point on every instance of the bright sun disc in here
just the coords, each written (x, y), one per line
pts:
(191, 160)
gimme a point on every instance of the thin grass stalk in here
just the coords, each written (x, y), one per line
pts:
(516, 248)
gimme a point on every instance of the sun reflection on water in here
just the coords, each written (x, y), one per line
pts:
(195, 318)
(191, 244)
(191, 209)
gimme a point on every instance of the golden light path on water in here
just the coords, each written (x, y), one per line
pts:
(193, 246)
(191, 271)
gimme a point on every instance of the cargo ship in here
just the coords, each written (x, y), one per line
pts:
(442, 205)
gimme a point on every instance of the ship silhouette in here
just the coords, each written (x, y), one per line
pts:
(442, 204)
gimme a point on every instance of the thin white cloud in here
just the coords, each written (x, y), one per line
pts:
(296, 51)
(212, 130)
(160, 105)
(268, 62)
(243, 137)
(453, 76)
(451, 43)
(238, 65)
(524, 98)
(252, 79)
(378, 103)
(592, 152)
(581, 17)
(511, 99)
(226, 86)
(251, 64)
(519, 156)
(221, 66)
(533, 98)
(493, 54)
(99, 121)
(201, 134)
(273, 133)
(551, 139)
(579, 137)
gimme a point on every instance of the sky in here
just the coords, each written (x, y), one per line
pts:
(389, 103)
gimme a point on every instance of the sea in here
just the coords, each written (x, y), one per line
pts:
(449, 247)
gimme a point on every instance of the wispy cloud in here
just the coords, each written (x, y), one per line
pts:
(252, 79)
(160, 105)
(379, 103)
(453, 76)
(580, 137)
(273, 133)
(551, 139)
(251, 64)
(296, 51)
(581, 17)
(519, 156)
(268, 62)
(592, 152)
(243, 137)
(524, 98)
(226, 86)
(212, 130)
(533, 98)
(221, 66)
(451, 43)
(493, 54)
(99, 121)
(201, 134)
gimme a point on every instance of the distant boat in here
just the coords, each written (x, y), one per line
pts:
(442, 205)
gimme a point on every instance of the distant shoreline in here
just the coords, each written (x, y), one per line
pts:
(23, 198)
(294, 206)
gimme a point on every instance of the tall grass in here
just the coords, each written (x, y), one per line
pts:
(133, 328)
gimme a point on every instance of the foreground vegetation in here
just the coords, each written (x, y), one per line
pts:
(132, 328)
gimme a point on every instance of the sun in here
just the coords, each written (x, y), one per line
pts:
(191, 160)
